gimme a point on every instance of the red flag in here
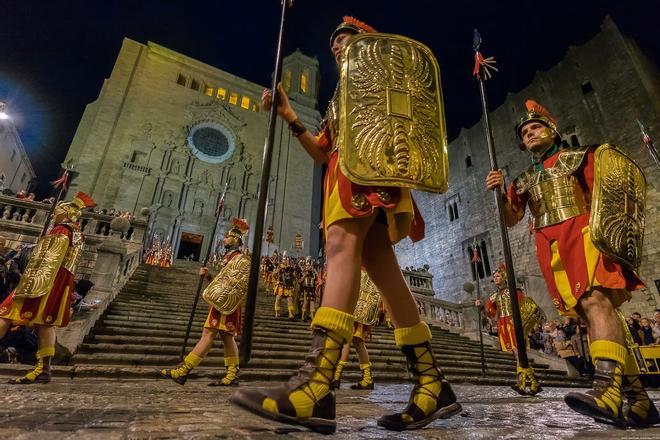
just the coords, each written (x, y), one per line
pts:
(62, 181)
(475, 254)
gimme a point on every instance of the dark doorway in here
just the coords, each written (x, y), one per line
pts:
(190, 246)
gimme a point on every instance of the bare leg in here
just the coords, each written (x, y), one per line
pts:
(46, 336)
(597, 309)
(383, 268)
(205, 342)
(361, 349)
(229, 345)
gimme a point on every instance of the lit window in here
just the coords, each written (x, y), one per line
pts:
(194, 84)
(208, 91)
(255, 107)
(181, 80)
(233, 98)
(245, 102)
(221, 94)
(287, 80)
(304, 79)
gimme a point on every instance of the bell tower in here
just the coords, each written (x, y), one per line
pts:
(300, 78)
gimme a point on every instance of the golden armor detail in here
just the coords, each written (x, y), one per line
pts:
(391, 114)
(73, 254)
(39, 276)
(228, 289)
(555, 194)
(368, 306)
(617, 206)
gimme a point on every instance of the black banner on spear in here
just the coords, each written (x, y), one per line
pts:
(245, 350)
(483, 69)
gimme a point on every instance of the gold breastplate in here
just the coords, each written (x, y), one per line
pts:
(555, 194)
(502, 300)
(73, 254)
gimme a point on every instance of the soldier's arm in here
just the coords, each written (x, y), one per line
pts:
(514, 210)
(310, 143)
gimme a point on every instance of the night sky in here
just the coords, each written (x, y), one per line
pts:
(55, 54)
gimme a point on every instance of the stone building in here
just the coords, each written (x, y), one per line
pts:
(16, 172)
(596, 92)
(168, 132)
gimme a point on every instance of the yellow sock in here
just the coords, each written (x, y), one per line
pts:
(46, 352)
(340, 369)
(366, 374)
(231, 363)
(339, 326)
(290, 309)
(189, 362)
(429, 377)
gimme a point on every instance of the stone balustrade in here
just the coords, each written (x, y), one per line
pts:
(419, 282)
(109, 257)
(444, 314)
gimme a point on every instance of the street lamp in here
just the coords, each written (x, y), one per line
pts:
(3, 111)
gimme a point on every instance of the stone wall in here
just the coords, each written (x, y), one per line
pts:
(596, 92)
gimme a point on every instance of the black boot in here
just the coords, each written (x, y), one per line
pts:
(430, 383)
(639, 411)
(310, 386)
(604, 401)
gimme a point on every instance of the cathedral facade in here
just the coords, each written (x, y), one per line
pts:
(169, 133)
(597, 92)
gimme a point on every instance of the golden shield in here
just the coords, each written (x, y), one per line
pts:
(617, 206)
(228, 289)
(367, 309)
(392, 120)
(530, 314)
(39, 276)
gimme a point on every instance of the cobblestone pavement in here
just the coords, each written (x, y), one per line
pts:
(140, 409)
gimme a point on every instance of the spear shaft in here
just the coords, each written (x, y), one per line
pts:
(245, 351)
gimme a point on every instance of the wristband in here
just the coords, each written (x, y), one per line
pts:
(297, 128)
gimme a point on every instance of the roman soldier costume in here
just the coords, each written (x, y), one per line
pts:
(498, 305)
(308, 289)
(587, 205)
(225, 295)
(383, 134)
(284, 285)
(43, 296)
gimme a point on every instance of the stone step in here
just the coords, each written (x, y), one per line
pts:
(251, 374)
(261, 350)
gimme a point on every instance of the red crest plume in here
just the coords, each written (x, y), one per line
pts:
(535, 107)
(86, 200)
(241, 224)
(358, 24)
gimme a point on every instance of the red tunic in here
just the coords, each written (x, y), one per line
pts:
(570, 263)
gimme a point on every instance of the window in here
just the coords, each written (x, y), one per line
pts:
(245, 102)
(194, 84)
(450, 211)
(233, 98)
(23, 177)
(287, 80)
(304, 80)
(468, 162)
(221, 93)
(255, 108)
(208, 90)
(452, 207)
(13, 155)
(181, 80)
(483, 266)
(587, 88)
(574, 141)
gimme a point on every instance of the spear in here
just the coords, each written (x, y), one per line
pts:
(649, 143)
(245, 351)
(218, 213)
(483, 69)
(61, 184)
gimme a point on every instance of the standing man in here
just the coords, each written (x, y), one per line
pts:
(499, 305)
(308, 289)
(284, 277)
(43, 297)
(225, 295)
(362, 221)
(572, 193)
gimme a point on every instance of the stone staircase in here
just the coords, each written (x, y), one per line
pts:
(145, 325)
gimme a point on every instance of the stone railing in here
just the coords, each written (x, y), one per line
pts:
(109, 257)
(419, 282)
(444, 314)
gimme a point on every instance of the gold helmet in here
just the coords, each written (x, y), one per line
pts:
(536, 112)
(73, 209)
(352, 25)
(239, 229)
